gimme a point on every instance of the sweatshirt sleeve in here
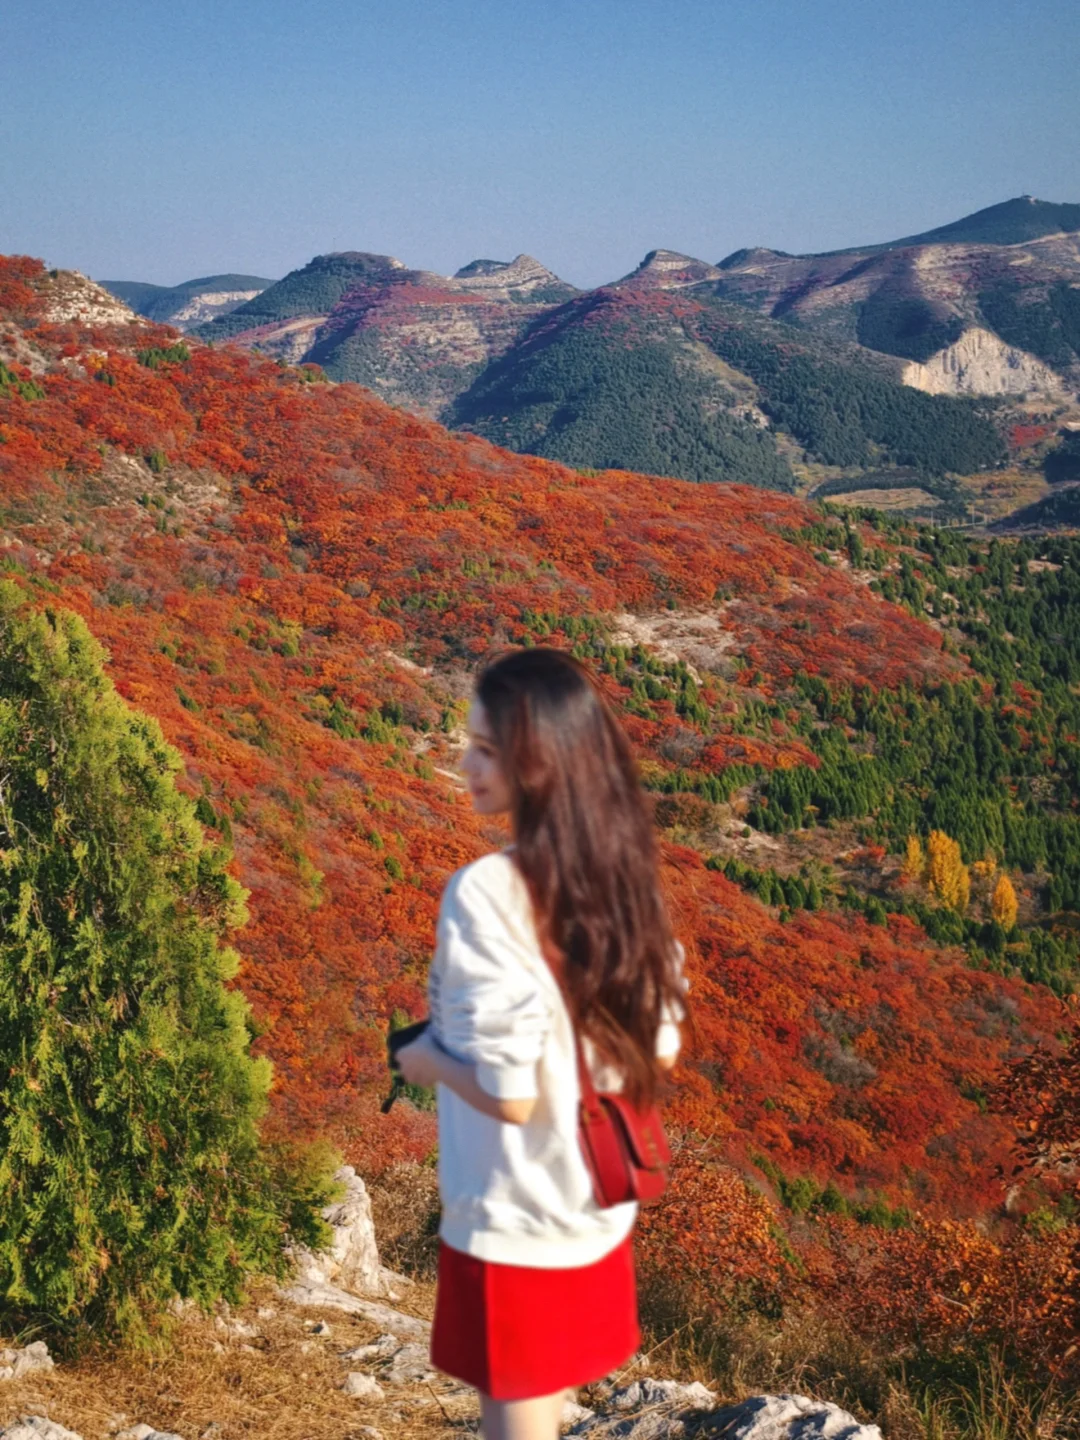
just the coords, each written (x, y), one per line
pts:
(492, 1007)
(668, 1040)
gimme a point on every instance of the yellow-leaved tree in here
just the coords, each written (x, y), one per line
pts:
(914, 859)
(946, 873)
(1003, 906)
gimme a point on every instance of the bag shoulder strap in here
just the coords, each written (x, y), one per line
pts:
(589, 1098)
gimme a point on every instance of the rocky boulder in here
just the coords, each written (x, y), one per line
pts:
(14, 1364)
(351, 1262)
(787, 1417)
(36, 1427)
(645, 1410)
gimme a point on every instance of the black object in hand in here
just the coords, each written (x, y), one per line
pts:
(395, 1041)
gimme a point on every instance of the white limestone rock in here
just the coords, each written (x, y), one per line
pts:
(361, 1386)
(146, 1432)
(71, 295)
(406, 1363)
(645, 1410)
(236, 1329)
(14, 1364)
(575, 1414)
(331, 1297)
(411, 1365)
(787, 1417)
(649, 1392)
(980, 363)
(208, 304)
(351, 1262)
(381, 1349)
(36, 1427)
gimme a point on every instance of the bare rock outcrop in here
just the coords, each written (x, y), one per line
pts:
(351, 1262)
(980, 363)
(399, 1363)
(668, 270)
(207, 304)
(36, 1427)
(787, 1417)
(645, 1410)
(14, 1364)
(509, 279)
(71, 295)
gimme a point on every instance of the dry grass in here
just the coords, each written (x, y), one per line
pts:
(282, 1384)
(739, 1356)
(902, 498)
(405, 1209)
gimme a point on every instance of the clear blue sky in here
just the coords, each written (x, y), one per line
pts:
(163, 139)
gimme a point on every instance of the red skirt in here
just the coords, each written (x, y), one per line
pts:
(517, 1331)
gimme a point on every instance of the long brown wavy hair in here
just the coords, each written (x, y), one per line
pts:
(586, 847)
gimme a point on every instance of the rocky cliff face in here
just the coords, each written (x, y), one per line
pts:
(522, 278)
(980, 363)
(71, 295)
(207, 304)
(668, 270)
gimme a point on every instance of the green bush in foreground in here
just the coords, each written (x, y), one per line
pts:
(131, 1168)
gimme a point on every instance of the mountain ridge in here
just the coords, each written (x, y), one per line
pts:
(1010, 222)
(657, 378)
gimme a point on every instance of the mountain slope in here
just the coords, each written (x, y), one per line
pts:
(416, 338)
(914, 301)
(297, 580)
(1013, 222)
(421, 339)
(658, 375)
(191, 303)
(308, 293)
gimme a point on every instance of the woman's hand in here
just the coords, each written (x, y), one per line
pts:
(425, 1062)
(419, 1061)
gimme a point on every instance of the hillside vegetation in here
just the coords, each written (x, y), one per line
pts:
(296, 581)
(613, 381)
(313, 290)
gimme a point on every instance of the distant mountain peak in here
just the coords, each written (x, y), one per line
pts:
(1018, 221)
(364, 259)
(753, 255)
(482, 267)
(669, 270)
(523, 275)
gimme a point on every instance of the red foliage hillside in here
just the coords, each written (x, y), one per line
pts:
(296, 579)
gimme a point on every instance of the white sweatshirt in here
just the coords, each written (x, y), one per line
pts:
(514, 1194)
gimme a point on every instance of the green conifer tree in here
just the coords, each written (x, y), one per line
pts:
(131, 1167)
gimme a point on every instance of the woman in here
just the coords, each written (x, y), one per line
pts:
(563, 929)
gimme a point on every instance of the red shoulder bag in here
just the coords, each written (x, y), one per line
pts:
(625, 1149)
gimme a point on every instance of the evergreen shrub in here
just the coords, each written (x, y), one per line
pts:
(131, 1164)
